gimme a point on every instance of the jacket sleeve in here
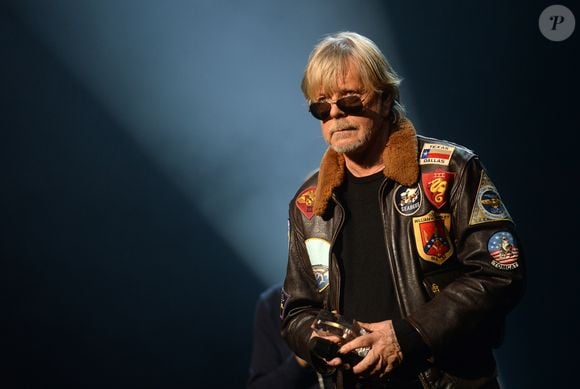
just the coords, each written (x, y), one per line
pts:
(302, 300)
(473, 306)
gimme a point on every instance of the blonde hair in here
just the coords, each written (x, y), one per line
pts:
(329, 62)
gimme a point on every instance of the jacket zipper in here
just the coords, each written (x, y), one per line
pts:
(390, 259)
(389, 246)
(332, 259)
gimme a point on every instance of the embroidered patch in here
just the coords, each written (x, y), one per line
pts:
(432, 237)
(504, 250)
(319, 254)
(436, 154)
(407, 200)
(436, 185)
(321, 276)
(488, 205)
(305, 202)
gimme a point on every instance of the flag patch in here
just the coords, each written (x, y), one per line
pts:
(436, 154)
(504, 251)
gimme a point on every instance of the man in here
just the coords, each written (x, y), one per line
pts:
(273, 364)
(403, 233)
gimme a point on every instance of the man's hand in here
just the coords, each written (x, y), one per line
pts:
(335, 362)
(301, 362)
(384, 354)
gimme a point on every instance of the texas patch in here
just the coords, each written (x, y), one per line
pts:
(305, 202)
(432, 237)
(488, 205)
(436, 154)
(503, 249)
(437, 185)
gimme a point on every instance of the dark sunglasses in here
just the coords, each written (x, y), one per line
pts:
(350, 105)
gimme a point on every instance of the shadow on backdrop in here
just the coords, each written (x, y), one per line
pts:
(110, 277)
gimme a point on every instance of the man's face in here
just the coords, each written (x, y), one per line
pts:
(352, 134)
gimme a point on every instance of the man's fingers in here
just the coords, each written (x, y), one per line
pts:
(361, 341)
(335, 362)
(362, 366)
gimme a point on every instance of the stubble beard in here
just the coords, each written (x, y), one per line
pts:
(357, 145)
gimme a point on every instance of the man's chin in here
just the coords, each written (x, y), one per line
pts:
(347, 148)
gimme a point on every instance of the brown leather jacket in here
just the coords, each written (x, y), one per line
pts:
(451, 246)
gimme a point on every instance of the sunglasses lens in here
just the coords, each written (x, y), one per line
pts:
(320, 110)
(351, 105)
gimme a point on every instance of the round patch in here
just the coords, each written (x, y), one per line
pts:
(407, 200)
(491, 203)
(504, 250)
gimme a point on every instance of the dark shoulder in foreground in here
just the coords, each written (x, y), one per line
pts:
(271, 292)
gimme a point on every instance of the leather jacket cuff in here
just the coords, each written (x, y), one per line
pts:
(412, 345)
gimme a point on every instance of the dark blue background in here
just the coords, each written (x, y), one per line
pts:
(110, 277)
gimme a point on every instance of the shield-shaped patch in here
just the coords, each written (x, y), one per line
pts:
(432, 237)
(437, 185)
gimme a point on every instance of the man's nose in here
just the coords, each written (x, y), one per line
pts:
(335, 111)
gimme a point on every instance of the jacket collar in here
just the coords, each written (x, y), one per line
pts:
(399, 157)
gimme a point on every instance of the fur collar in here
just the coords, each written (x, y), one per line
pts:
(399, 156)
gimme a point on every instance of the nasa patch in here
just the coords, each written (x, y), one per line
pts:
(432, 237)
(488, 205)
(407, 200)
(503, 249)
(436, 185)
(305, 202)
(319, 253)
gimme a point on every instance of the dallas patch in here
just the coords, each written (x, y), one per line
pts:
(319, 254)
(436, 185)
(488, 205)
(432, 237)
(504, 250)
(407, 200)
(305, 202)
(436, 154)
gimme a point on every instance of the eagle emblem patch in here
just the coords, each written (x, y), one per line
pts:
(407, 200)
(488, 205)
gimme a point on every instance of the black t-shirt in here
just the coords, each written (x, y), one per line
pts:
(367, 289)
